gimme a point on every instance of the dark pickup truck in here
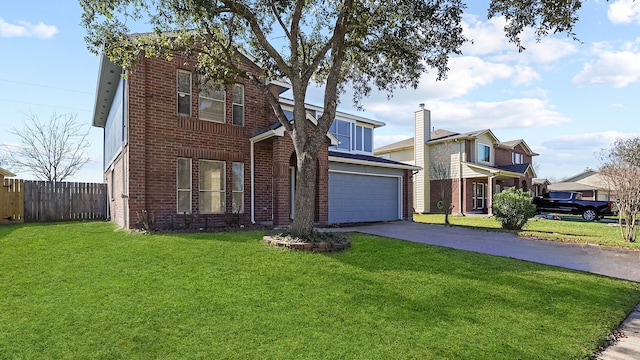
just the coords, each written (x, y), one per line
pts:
(565, 202)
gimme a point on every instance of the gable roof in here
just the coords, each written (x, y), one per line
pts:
(514, 170)
(513, 143)
(396, 146)
(437, 136)
(540, 181)
(571, 186)
(586, 173)
(6, 173)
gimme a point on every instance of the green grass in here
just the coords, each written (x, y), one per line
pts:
(570, 229)
(83, 291)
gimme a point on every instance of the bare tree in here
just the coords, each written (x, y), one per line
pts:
(621, 169)
(50, 150)
(441, 173)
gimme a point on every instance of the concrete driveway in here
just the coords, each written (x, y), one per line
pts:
(618, 263)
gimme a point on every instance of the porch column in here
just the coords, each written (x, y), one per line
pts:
(490, 187)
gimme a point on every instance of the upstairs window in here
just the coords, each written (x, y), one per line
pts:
(183, 80)
(342, 131)
(352, 137)
(238, 104)
(516, 158)
(212, 102)
(484, 153)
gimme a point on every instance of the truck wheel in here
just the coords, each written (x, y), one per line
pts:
(589, 215)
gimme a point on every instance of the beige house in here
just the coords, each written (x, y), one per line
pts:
(465, 168)
(589, 182)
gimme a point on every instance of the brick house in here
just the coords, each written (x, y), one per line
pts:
(477, 165)
(196, 158)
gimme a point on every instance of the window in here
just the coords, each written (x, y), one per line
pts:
(484, 153)
(184, 186)
(368, 139)
(238, 188)
(352, 137)
(479, 195)
(212, 102)
(342, 131)
(238, 104)
(184, 92)
(516, 158)
(113, 184)
(212, 187)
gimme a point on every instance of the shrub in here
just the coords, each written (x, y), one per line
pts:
(513, 208)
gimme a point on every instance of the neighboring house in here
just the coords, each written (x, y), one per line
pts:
(216, 156)
(589, 183)
(470, 167)
(540, 186)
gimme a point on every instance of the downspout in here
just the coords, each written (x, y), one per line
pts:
(253, 220)
(125, 197)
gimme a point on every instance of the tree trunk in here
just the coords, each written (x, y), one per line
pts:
(305, 195)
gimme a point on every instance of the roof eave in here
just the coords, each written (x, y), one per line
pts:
(373, 163)
(108, 79)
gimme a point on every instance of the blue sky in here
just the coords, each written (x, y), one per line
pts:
(566, 99)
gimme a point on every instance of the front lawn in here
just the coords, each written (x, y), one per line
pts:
(572, 228)
(81, 290)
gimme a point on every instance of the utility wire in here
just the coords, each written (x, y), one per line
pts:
(51, 106)
(45, 86)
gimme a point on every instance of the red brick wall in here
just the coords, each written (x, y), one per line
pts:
(407, 195)
(158, 135)
(503, 156)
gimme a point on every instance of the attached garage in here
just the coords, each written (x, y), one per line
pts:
(363, 197)
(365, 188)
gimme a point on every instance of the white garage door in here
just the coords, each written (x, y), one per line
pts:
(363, 198)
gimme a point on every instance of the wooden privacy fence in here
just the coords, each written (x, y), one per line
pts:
(59, 201)
(11, 200)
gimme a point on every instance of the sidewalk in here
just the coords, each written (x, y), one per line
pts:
(617, 263)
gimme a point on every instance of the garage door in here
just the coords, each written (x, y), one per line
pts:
(361, 198)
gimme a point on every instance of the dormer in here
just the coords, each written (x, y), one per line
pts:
(354, 133)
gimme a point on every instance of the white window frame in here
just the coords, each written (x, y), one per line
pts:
(480, 145)
(179, 189)
(222, 191)
(201, 96)
(183, 93)
(234, 191)
(479, 202)
(353, 137)
(516, 158)
(235, 104)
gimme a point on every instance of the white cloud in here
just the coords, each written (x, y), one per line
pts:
(581, 142)
(618, 106)
(619, 69)
(508, 114)
(485, 37)
(525, 75)
(469, 116)
(26, 29)
(567, 155)
(624, 12)
(488, 39)
(467, 73)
